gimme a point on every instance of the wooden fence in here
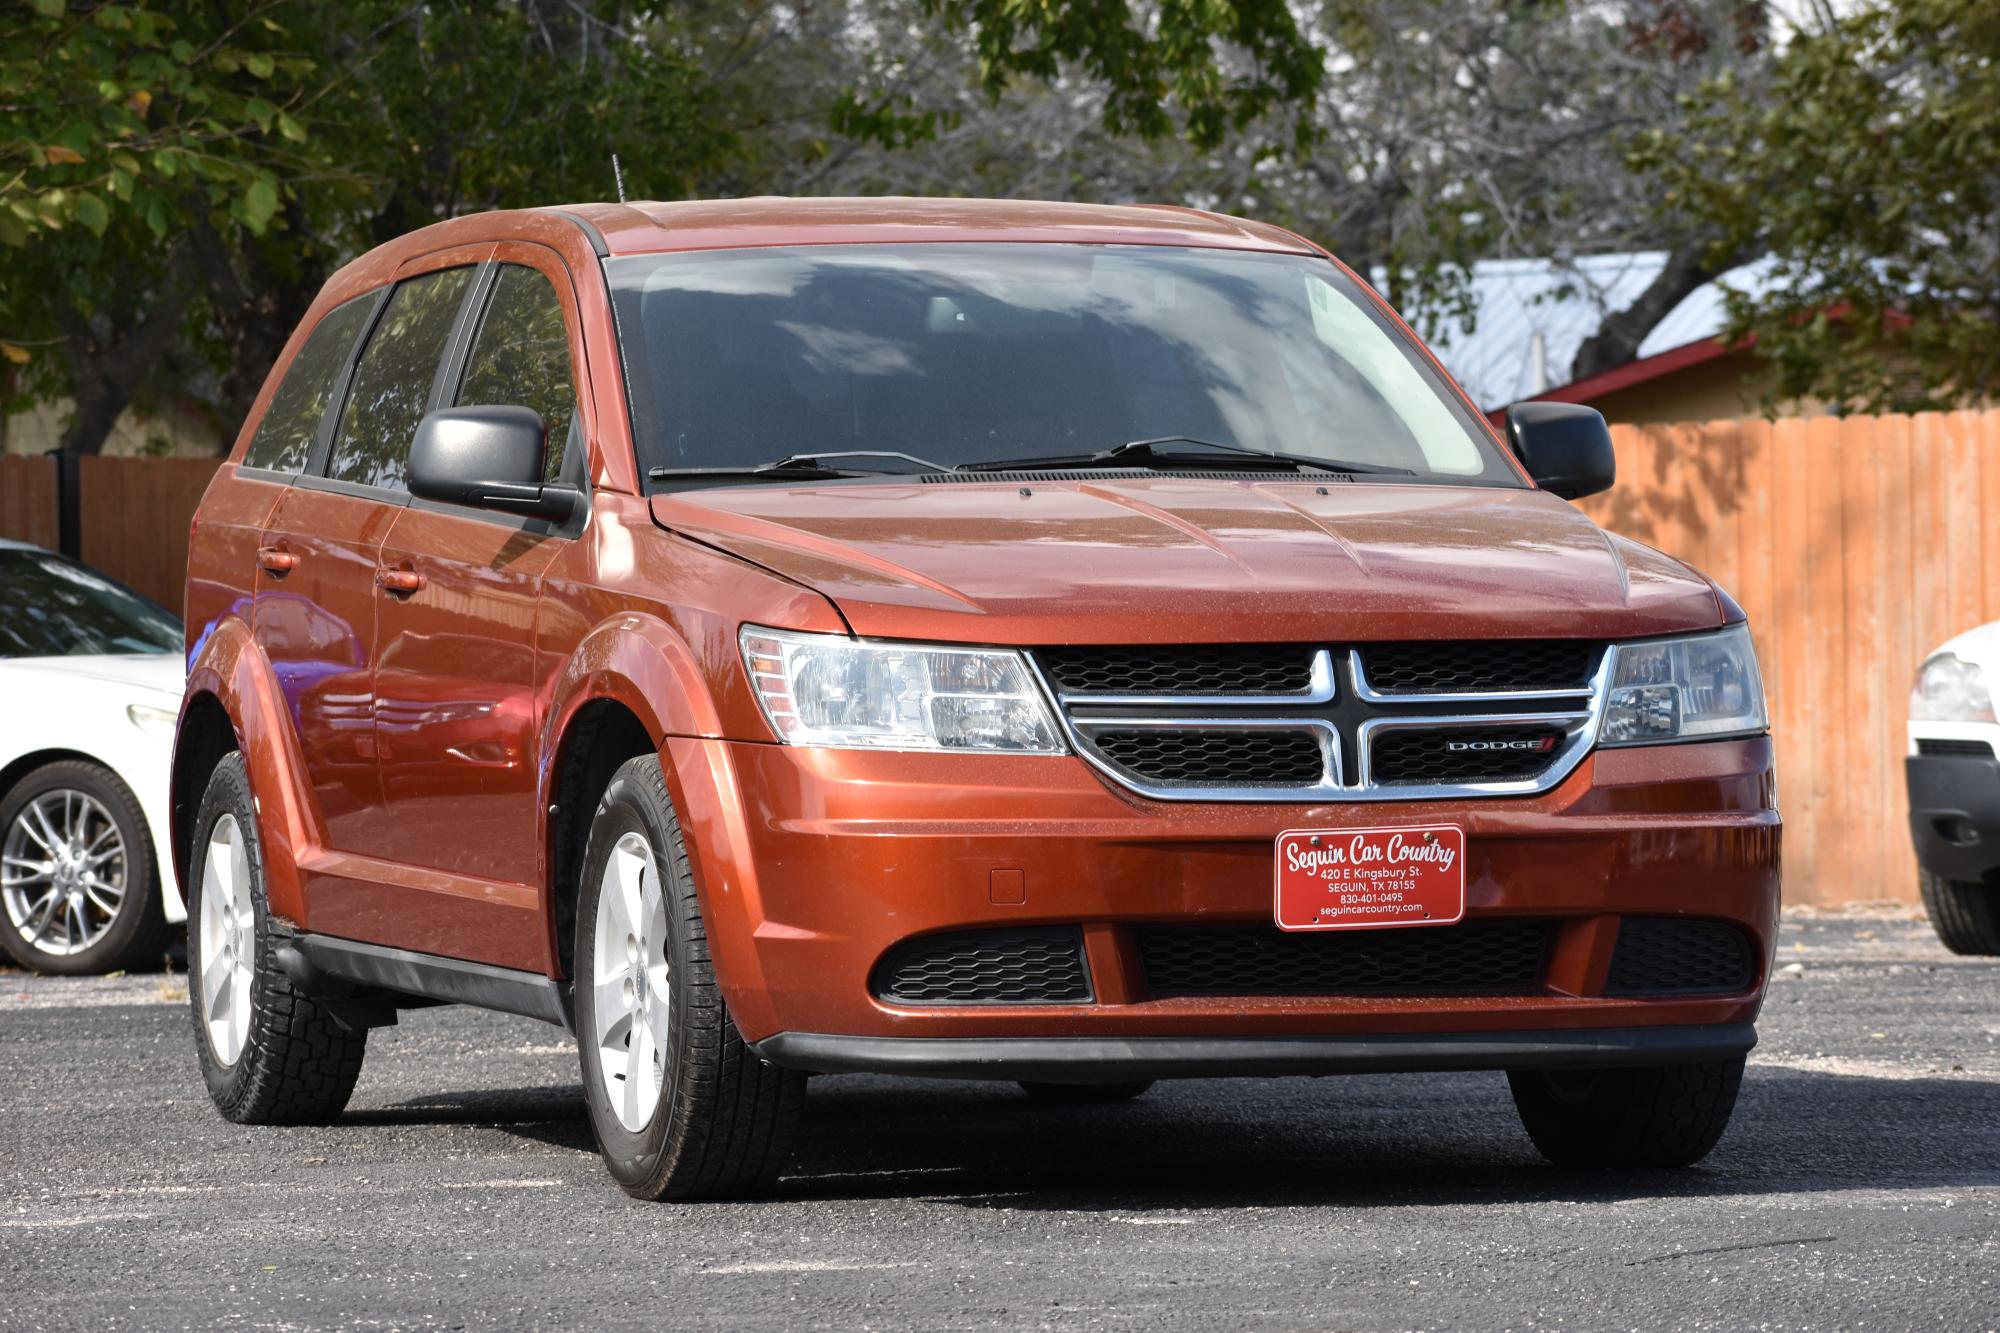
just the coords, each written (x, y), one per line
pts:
(135, 514)
(1856, 545)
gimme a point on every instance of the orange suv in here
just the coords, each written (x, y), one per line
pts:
(1069, 645)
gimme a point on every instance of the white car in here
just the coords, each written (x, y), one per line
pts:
(1954, 782)
(90, 687)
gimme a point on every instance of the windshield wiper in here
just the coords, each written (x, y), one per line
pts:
(792, 467)
(1148, 452)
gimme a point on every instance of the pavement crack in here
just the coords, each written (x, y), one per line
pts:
(1730, 1249)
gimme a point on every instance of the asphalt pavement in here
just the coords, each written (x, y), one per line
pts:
(1859, 1187)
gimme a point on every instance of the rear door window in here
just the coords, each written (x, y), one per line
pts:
(521, 358)
(284, 438)
(393, 379)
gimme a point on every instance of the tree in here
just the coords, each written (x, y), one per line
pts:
(1868, 168)
(119, 128)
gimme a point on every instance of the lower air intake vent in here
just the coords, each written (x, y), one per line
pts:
(1190, 756)
(1463, 754)
(1936, 748)
(1023, 965)
(1666, 956)
(1472, 958)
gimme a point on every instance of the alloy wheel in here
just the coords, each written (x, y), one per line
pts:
(228, 940)
(630, 999)
(63, 872)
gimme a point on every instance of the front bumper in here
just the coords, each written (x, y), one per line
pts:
(1111, 1059)
(814, 864)
(1955, 814)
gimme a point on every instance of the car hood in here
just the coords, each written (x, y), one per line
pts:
(133, 674)
(1179, 559)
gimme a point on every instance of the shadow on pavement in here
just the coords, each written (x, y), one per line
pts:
(1360, 1141)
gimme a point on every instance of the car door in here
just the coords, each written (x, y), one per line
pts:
(311, 612)
(458, 709)
(316, 617)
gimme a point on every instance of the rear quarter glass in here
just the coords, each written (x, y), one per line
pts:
(284, 437)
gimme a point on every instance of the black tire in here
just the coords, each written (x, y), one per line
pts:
(138, 930)
(1084, 1093)
(297, 1065)
(1964, 913)
(1661, 1116)
(725, 1120)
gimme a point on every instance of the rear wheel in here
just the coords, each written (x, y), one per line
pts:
(78, 878)
(270, 1055)
(1964, 913)
(1663, 1116)
(683, 1109)
(1075, 1093)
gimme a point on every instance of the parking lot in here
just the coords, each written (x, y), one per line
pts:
(1858, 1187)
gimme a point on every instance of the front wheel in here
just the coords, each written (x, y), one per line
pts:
(1662, 1116)
(683, 1109)
(1964, 913)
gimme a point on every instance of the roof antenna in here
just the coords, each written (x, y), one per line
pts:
(618, 174)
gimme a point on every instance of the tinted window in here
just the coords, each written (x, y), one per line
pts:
(521, 357)
(285, 436)
(392, 381)
(52, 607)
(978, 353)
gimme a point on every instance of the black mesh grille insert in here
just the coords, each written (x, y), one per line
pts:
(1223, 669)
(1467, 668)
(1666, 956)
(1017, 965)
(1463, 754)
(1169, 756)
(1472, 958)
(1955, 749)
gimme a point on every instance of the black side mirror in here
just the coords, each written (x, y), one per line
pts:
(489, 458)
(1566, 447)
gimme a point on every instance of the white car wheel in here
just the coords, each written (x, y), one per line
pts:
(79, 889)
(630, 973)
(228, 940)
(63, 872)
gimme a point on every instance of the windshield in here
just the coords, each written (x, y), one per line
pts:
(963, 354)
(53, 607)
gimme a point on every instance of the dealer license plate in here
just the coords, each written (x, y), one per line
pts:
(1358, 879)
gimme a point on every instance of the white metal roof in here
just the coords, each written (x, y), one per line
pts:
(1534, 314)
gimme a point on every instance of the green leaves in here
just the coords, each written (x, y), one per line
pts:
(1869, 171)
(260, 202)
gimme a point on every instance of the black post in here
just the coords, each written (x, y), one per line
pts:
(69, 503)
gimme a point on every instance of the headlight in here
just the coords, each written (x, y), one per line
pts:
(1950, 689)
(1701, 687)
(822, 689)
(153, 721)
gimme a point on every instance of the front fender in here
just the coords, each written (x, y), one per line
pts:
(229, 667)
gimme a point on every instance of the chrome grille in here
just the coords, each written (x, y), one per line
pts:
(1204, 671)
(1308, 722)
(1461, 754)
(1481, 666)
(1266, 757)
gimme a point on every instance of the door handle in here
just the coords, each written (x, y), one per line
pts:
(400, 582)
(277, 560)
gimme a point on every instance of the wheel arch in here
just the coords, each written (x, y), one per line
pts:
(232, 672)
(602, 733)
(203, 737)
